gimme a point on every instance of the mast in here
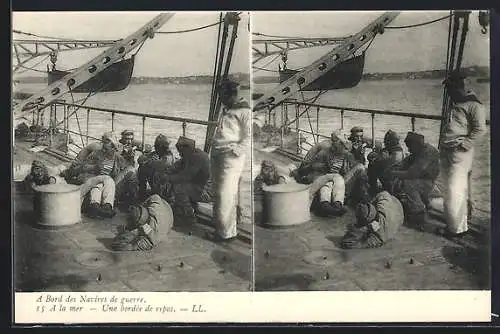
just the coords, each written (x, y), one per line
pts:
(222, 65)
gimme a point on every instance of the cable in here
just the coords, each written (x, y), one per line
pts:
(32, 67)
(263, 66)
(189, 30)
(419, 24)
(264, 69)
(275, 36)
(40, 36)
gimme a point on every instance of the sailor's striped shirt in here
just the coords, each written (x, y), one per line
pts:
(335, 164)
(107, 166)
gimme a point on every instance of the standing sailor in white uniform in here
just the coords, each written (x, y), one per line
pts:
(466, 125)
(230, 146)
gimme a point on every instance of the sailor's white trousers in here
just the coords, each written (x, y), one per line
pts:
(455, 166)
(226, 170)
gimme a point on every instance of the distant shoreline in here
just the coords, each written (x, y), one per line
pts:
(479, 72)
(242, 78)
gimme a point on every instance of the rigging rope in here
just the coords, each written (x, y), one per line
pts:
(41, 36)
(190, 30)
(419, 24)
(263, 66)
(276, 36)
(263, 69)
(33, 66)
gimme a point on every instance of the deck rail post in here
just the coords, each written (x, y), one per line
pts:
(317, 124)
(65, 120)
(143, 132)
(112, 121)
(282, 127)
(184, 124)
(373, 129)
(297, 127)
(341, 119)
(413, 124)
(88, 120)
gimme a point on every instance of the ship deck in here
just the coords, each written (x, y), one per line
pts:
(309, 257)
(79, 258)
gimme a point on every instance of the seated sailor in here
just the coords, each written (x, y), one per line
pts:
(336, 173)
(189, 178)
(377, 222)
(147, 225)
(152, 164)
(359, 144)
(415, 177)
(40, 174)
(96, 174)
(383, 159)
(126, 184)
(130, 146)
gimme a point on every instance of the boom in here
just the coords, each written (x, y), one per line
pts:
(324, 64)
(74, 79)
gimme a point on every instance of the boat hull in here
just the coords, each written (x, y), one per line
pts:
(346, 75)
(114, 78)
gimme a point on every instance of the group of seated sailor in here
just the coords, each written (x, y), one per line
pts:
(152, 185)
(385, 187)
(394, 187)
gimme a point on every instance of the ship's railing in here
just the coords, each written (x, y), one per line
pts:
(70, 110)
(302, 110)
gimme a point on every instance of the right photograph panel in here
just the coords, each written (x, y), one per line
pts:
(371, 150)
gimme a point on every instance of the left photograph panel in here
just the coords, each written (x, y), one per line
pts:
(131, 151)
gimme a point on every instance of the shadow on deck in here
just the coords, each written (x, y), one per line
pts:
(79, 258)
(309, 257)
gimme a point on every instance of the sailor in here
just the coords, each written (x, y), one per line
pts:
(415, 177)
(128, 146)
(315, 161)
(269, 175)
(148, 224)
(155, 163)
(188, 179)
(377, 222)
(40, 174)
(359, 144)
(96, 174)
(131, 146)
(352, 180)
(382, 159)
(460, 136)
(230, 146)
(126, 183)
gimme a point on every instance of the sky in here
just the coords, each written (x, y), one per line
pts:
(415, 49)
(166, 55)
